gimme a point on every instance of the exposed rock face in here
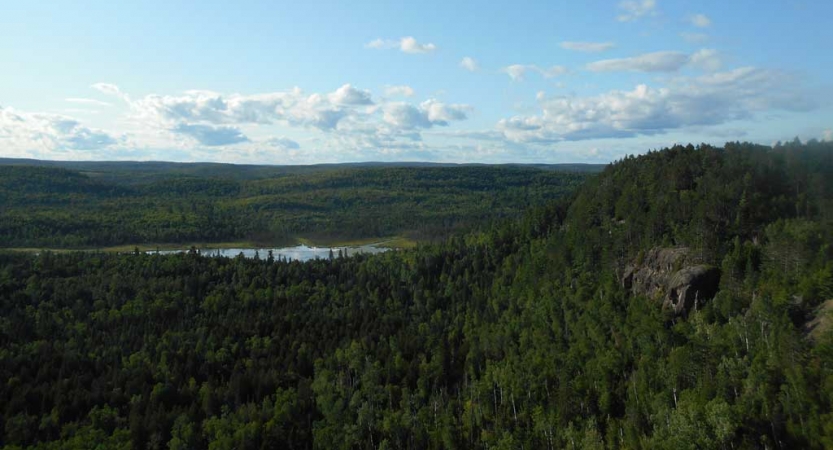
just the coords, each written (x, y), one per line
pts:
(674, 276)
(822, 321)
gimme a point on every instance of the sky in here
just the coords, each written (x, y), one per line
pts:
(489, 82)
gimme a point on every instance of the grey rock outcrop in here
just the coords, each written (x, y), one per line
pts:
(822, 321)
(674, 276)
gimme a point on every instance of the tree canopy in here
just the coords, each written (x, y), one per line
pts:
(520, 335)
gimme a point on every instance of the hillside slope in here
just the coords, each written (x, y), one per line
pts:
(61, 208)
(522, 336)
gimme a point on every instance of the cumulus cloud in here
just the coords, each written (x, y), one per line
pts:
(469, 64)
(410, 45)
(214, 119)
(49, 132)
(407, 44)
(399, 91)
(588, 47)
(705, 100)
(706, 59)
(428, 114)
(649, 62)
(211, 136)
(321, 111)
(827, 135)
(348, 95)
(700, 21)
(636, 9)
(517, 72)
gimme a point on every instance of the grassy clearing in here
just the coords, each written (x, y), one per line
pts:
(399, 242)
(387, 242)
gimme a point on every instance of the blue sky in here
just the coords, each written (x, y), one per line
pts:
(307, 82)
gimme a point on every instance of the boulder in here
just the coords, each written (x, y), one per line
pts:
(673, 276)
(690, 286)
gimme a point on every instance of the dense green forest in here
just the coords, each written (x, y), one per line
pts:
(594, 321)
(87, 205)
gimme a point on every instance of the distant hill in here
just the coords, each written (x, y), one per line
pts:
(148, 171)
(93, 204)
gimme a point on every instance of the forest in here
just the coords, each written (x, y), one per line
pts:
(94, 205)
(680, 299)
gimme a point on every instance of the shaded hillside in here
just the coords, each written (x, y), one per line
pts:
(524, 335)
(139, 172)
(63, 208)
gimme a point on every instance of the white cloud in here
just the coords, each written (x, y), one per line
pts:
(469, 64)
(686, 102)
(348, 95)
(347, 115)
(110, 89)
(293, 107)
(406, 44)
(380, 44)
(49, 132)
(553, 71)
(401, 91)
(649, 62)
(588, 47)
(700, 21)
(428, 114)
(87, 101)
(635, 9)
(517, 72)
(405, 116)
(828, 135)
(440, 114)
(706, 59)
(410, 45)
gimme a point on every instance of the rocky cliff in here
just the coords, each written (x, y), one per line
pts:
(674, 276)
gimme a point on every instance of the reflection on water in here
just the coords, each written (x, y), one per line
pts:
(297, 253)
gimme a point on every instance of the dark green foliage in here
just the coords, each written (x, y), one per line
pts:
(60, 208)
(520, 336)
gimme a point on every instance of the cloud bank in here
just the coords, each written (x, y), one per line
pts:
(706, 100)
(50, 132)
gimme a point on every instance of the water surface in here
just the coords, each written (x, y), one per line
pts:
(297, 253)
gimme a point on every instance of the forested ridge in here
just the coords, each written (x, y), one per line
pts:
(523, 335)
(56, 207)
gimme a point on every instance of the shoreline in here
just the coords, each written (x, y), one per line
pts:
(394, 242)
